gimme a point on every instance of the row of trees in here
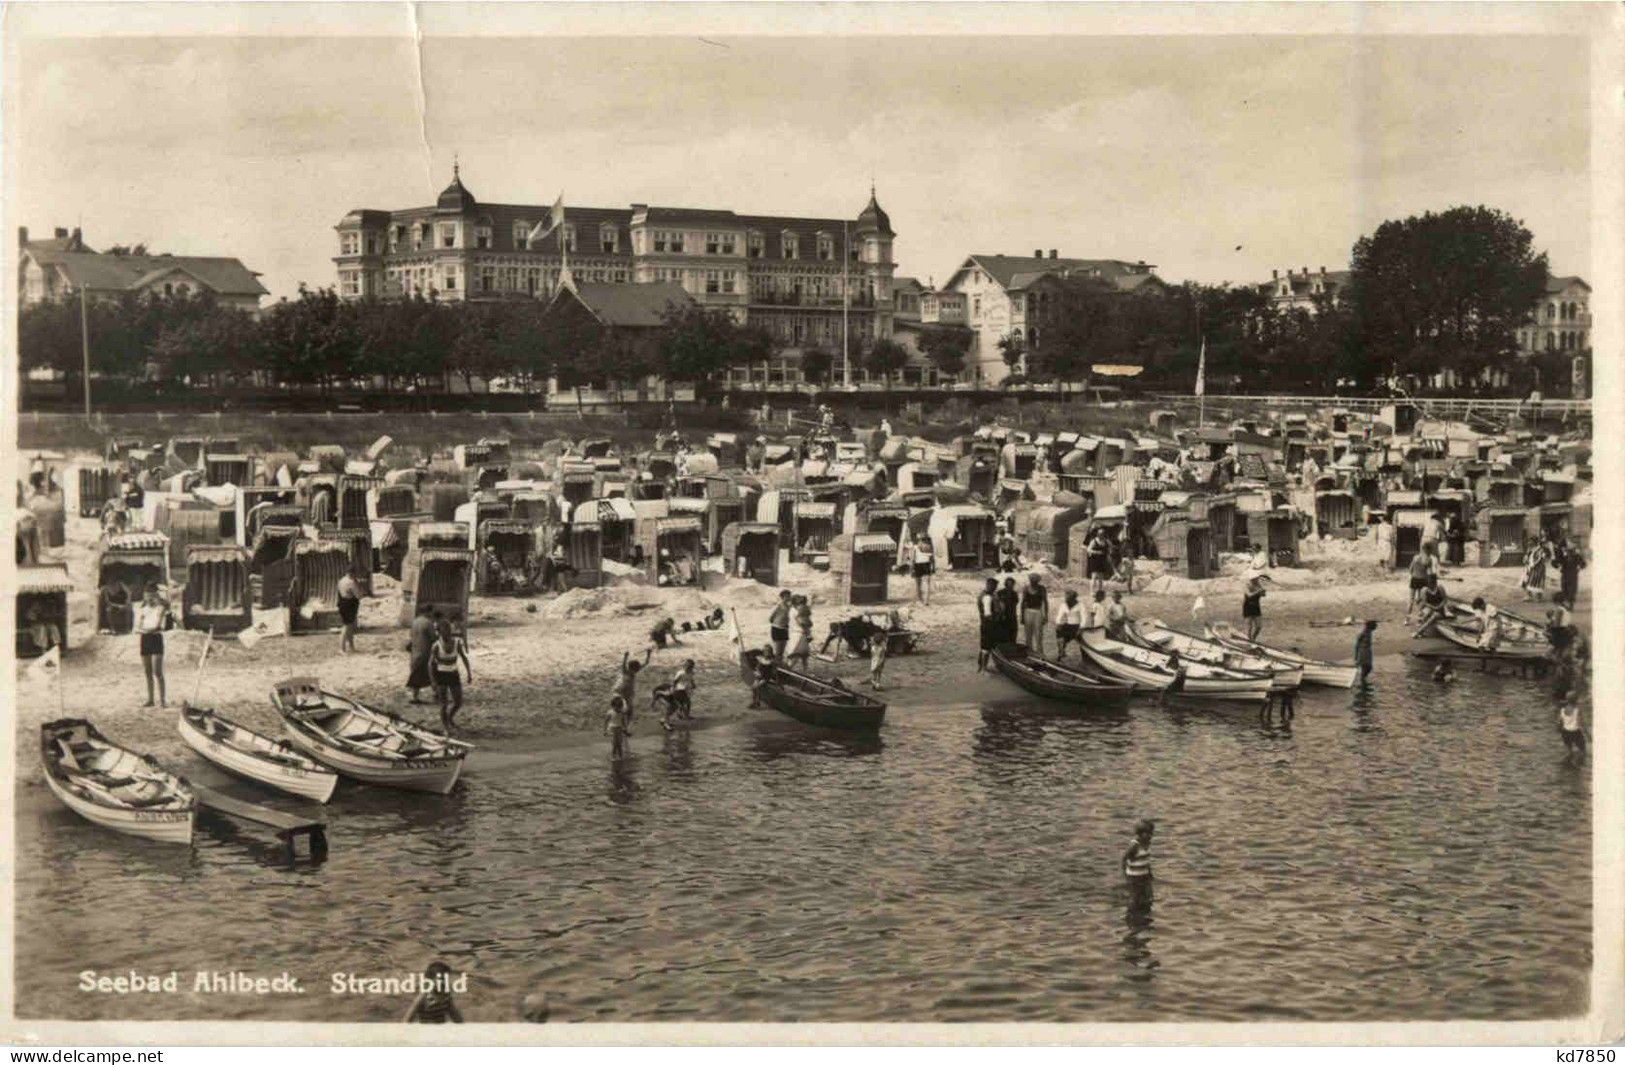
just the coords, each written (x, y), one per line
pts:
(1435, 292)
(1431, 293)
(319, 340)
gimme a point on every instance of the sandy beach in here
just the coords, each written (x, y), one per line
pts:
(543, 665)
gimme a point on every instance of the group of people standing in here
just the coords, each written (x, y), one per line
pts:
(1561, 554)
(1009, 615)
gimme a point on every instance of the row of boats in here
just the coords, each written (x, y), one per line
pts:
(1156, 659)
(326, 736)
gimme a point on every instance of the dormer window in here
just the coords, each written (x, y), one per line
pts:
(569, 237)
(521, 235)
(826, 247)
(349, 243)
(448, 236)
(754, 244)
(482, 235)
(609, 239)
(792, 246)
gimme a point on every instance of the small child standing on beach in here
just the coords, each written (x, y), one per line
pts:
(877, 658)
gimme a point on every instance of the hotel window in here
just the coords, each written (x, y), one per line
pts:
(660, 241)
(482, 237)
(620, 276)
(792, 246)
(531, 280)
(347, 243)
(569, 237)
(487, 279)
(713, 243)
(608, 238)
(423, 237)
(451, 280)
(826, 247)
(976, 306)
(675, 240)
(713, 281)
(521, 235)
(372, 245)
(448, 236)
(754, 244)
(728, 280)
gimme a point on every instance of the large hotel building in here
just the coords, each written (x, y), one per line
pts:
(792, 276)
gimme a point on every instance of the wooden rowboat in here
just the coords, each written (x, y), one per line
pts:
(1159, 637)
(113, 787)
(1195, 679)
(261, 759)
(1083, 691)
(1315, 671)
(1514, 642)
(813, 700)
(366, 744)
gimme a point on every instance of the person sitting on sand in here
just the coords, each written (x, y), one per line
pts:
(664, 633)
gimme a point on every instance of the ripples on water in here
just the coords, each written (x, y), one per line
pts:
(1416, 853)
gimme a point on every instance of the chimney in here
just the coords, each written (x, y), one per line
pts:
(1053, 254)
(1038, 253)
(22, 234)
(61, 233)
(1306, 271)
(78, 240)
(1323, 271)
(1275, 275)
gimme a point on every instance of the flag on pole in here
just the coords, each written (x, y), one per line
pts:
(48, 664)
(733, 630)
(272, 621)
(1201, 369)
(555, 218)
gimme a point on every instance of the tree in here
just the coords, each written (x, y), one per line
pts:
(816, 364)
(946, 347)
(1011, 349)
(885, 358)
(1445, 291)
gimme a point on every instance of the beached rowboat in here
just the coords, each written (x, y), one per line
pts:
(813, 700)
(1315, 671)
(1159, 637)
(366, 744)
(1083, 691)
(1200, 680)
(1514, 643)
(259, 758)
(113, 787)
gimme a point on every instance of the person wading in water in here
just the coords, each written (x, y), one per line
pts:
(448, 650)
(987, 610)
(1137, 862)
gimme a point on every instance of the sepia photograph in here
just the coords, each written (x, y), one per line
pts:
(738, 515)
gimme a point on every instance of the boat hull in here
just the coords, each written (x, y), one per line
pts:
(164, 826)
(1468, 640)
(1315, 671)
(315, 783)
(1080, 696)
(818, 707)
(436, 775)
(1284, 677)
(1229, 689)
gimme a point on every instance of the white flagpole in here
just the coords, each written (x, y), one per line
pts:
(1201, 386)
(203, 658)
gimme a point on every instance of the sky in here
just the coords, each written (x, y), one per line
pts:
(1217, 158)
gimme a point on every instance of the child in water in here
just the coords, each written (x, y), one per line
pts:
(434, 1005)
